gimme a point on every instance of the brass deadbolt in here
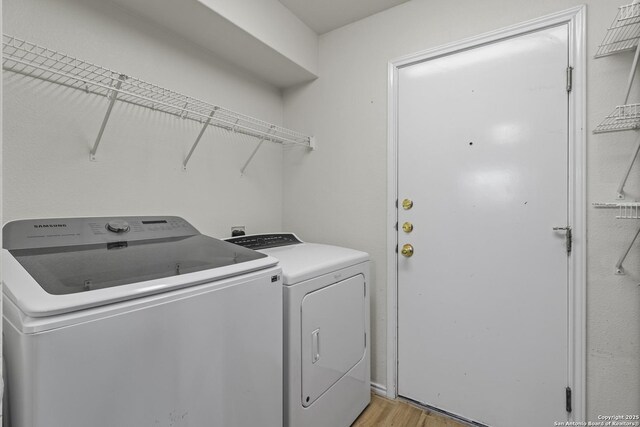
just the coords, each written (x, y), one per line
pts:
(407, 227)
(407, 204)
(407, 250)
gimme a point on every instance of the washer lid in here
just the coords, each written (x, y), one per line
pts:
(308, 260)
(72, 269)
(55, 266)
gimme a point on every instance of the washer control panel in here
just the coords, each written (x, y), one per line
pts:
(58, 232)
(265, 241)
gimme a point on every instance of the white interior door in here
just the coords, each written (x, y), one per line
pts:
(482, 303)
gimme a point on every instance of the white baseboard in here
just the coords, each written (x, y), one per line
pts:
(379, 389)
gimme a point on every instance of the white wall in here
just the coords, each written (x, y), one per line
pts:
(1, 222)
(49, 129)
(337, 194)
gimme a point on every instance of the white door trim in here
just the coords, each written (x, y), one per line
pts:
(575, 18)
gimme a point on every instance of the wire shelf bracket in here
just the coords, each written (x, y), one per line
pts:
(251, 156)
(623, 182)
(312, 146)
(195, 144)
(26, 58)
(625, 211)
(112, 100)
(619, 267)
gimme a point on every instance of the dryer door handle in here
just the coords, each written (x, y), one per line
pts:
(315, 345)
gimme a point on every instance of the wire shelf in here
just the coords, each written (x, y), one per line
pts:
(629, 211)
(27, 58)
(623, 117)
(625, 210)
(624, 32)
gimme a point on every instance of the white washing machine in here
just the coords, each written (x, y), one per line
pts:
(326, 329)
(138, 321)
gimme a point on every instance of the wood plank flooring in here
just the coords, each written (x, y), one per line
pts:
(383, 412)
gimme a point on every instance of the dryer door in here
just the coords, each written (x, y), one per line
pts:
(333, 335)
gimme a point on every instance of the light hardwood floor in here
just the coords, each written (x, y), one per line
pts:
(383, 412)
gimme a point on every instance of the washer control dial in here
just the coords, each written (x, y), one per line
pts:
(118, 226)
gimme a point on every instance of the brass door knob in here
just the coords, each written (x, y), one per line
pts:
(407, 227)
(407, 250)
(407, 204)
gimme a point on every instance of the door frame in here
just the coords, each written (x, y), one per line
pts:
(575, 18)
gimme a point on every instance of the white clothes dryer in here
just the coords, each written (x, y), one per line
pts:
(326, 329)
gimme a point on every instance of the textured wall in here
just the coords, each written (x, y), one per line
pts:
(50, 129)
(1, 222)
(338, 193)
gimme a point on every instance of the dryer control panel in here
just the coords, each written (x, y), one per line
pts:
(265, 241)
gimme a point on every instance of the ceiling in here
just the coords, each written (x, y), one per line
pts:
(326, 15)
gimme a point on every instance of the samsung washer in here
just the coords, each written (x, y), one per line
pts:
(138, 321)
(326, 329)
